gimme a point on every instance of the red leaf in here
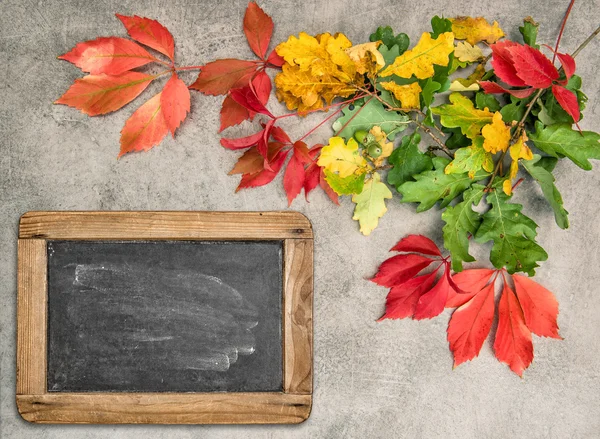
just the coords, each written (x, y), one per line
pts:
(493, 88)
(145, 128)
(532, 66)
(242, 142)
(265, 176)
(471, 282)
(101, 94)
(258, 28)
(280, 135)
(175, 102)
(301, 152)
(567, 100)
(150, 33)
(432, 303)
(232, 113)
(293, 179)
(513, 344)
(333, 196)
(401, 301)
(503, 65)
(261, 84)
(539, 306)
(220, 76)
(312, 176)
(470, 325)
(275, 60)
(399, 269)
(417, 244)
(111, 55)
(568, 63)
(246, 97)
(249, 163)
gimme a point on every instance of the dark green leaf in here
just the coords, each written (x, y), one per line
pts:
(366, 117)
(440, 25)
(529, 30)
(386, 36)
(483, 101)
(428, 88)
(407, 161)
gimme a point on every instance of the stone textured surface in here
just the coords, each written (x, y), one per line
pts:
(371, 380)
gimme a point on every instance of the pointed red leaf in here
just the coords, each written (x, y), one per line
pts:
(293, 179)
(261, 84)
(399, 269)
(513, 344)
(281, 136)
(232, 113)
(220, 76)
(532, 66)
(401, 301)
(275, 60)
(568, 63)
(333, 196)
(145, 128)
(470, 325)
(432, 303)
(242, 142)
(301, 152)
(470, 282)
(246, 97)
(417, 244)
(265, 176)
(111, 55)
(503, 65)
(539, 306)
(312, 176)
(150, 33)
(101, 94)
(567, 100)
(258, 28)
(175, 102)
(250, 162)
(493, 88)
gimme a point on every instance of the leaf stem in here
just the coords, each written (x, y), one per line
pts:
(189, 68)
(321, 123)
(586, 42)
(337, 104)
(562, 28)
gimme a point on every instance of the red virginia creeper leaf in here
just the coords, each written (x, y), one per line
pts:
(258, 28)
(220, 76)
(301, 151)
(110, 55)
(503, 65)
(293, 179)
(432, 303)
(333, 196)
(567, 100)
(470, 325)
(417, 244)
(539, 306)
(280, 135)
(145, 128)
(232, 113)
(513, 344)
(246, 97)
(532, 66)
(401, 301)
(275, 60)
(399, 269)
(101, 94)
(471, 282)
(250, 162)
(243, 142)
(568, 63)
(493, 88)
(175, 102)
(265, 176)
(261, 84)
(150, 33)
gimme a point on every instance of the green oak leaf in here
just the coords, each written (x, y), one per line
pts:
(513, 235)
(352, 184)
(435, 185)
(461, 221)
(439, 26)
(515, 110)
(386, 36)
(483, 101)
(461, 113)
(560, 140)
(456, 138)
(428, 88)
(407, 161)
(366, 117)
(389, 53)
(541, 170)
(471, 159)
(529, 30)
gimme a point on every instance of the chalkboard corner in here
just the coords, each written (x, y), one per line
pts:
(22, 409)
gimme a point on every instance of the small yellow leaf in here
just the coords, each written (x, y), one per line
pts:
(419, 61)
(471, 82)
(342, 158)
(370, 204)
(366, 57)
(386, 147)
(465, 52)
(496, 135)
(475, 30)
(408, 95)
(519, 150)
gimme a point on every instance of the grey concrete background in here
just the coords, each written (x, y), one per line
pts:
(371, 379)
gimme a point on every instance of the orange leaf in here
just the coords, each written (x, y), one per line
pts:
(258, 28)
(145, 128)
(471, 282)
(513, 344)
(232, 113)
(150, 33)
(293, 179)
(220, 76)
(265, 176)
(175, 102)
(250, 162)
(111, 55)
(470, 325)
(101, 94)
(539, 305)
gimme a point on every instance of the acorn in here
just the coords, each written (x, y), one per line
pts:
(360, 136)
(374, 150)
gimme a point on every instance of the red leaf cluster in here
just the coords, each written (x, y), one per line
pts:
(520, 65)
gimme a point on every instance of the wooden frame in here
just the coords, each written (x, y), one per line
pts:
(292, 405)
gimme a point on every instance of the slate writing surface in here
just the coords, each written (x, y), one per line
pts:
(164, 316)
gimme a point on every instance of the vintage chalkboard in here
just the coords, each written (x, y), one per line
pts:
(164, 317)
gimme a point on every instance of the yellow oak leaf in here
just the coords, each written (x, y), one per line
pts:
(345, 159)
(475, 30)
(496, 135)
(370, 204)
(519, 150)
(408, 95)
(386, 147)
(366, 57)
(419, 61)
(471, 82)
(465, 52)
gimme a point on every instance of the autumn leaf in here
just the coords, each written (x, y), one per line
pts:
(145, 128)
(467, 53)
(471, 159)
(276, 157)
(295, 175)
(470, 282)
(150, 33)
(475, 30)
(539, 306)
(567, 100)
(408, 95)
(350, 185)
(532, 66)
(518, 151)
(232, 113)
(366, 57)
(175, 102)
(496, 135)
(503, 65)
(220, 76)
(258, 28)
(345, 159)
(370, 204)
(461, 113)
(417, 244)
(101, 94)
(420, 60)
(111, 55)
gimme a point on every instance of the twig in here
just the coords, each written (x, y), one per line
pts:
(562, 28)
(586, 42)
(441, 144)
